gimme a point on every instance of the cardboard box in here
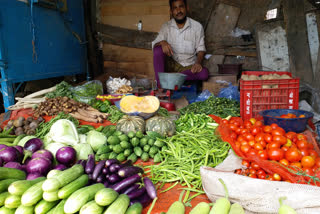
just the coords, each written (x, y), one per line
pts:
(214, 84)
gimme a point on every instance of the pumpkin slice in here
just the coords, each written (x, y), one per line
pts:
(132, 104)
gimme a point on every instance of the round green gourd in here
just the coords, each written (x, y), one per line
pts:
(131, 124)
(162, 125)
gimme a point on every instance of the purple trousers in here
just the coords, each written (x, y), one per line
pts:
(159, 62)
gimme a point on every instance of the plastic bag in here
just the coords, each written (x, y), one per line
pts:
(113, 84)
(231, 92)
(88, 91)
(203, 96)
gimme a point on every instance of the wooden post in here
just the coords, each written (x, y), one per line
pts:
(296, 29)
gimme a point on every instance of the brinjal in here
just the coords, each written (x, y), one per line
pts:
(100, 179)
(111, 161)
(105, 171)
(151, 190)
(30, 147)
(39, 165)
(10, 154)
(131, 188)
(129, 170)
(137, 193)
(143, 199)
(114, 178)
(97, 169)
(90, 164)
(42, 153)
(66, 155)
(114, 168)
(125, 183)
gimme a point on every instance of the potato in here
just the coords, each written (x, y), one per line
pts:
(253, 77)
(266, 86)
(245, 77)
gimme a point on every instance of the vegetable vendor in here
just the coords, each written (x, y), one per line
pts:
(180, 45)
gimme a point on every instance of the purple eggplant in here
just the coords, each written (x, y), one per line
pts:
(66, 155)
(105, 171)
(83, 163)
(151, 189)
(3, 146)
(90, 164)
(33, 176)
(31, 146)
(114, 178)
(79, 161)
(144, 199)
(125, 183)
(60, 167)
(134, 187)
(97, 169)
(137, 193)
(39, 165)
(10, 154)
(14, 165)
(42, 153)
(127, 163)
(90, 176)
(100, 179)
(19, 148)
(106, 184)
(129, 170)
(0, 162)
(114, 168)
(111, 161)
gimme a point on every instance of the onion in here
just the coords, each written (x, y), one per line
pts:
(10, 154)
(33, 176)
(39, 165)
(66, 155)
(3, 146)
(60, 167)
(14, 165)
(42, 154)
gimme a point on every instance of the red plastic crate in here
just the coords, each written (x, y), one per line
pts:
(254, 98)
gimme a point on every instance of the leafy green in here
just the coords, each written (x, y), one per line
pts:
(83, 150)
(96, 139)
(63, 90)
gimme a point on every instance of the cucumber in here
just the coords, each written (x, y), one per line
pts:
(135, 208)
(135, 141)
(125, 144)
(103, 149)
(113, 155)
(236, 208)
(63, 178)
(25, 210)
(131, 134)
(44, 206)
(5, 210)
(12, 201)
(153, 150)
(123, 137)
(127, 152)
(143, 142)
(157, 158)
(50, 196)
(3, 197)
(104, 156)
(59, 209)
(201, 208)
(151, 142)
(17, 139)
(176, 208)
(7, 173)
(67, 190)
(146, 148)
(32, 195)
(19, 187)
(139, 134)
(119, 206)
(81, 197)
(159, 143)
(105, 196)
(4, 184)
(91, 207)
(113, 140)
(52, 173)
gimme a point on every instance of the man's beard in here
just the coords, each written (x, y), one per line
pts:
(181, 21)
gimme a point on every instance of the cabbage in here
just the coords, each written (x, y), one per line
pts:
(63, 131)
(83, 138)
(83, 150)
(96, 139)
(54, 147)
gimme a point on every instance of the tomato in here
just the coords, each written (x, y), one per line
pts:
(238, 130)
(304, 152)
(274, 126)
(317, 162)
(267, 129)
(238, 144)
(255, 130)
(255, 166)
(278, 131)
(263, 154)
(289, 143)
(261, 174)
(273, 145)
(307, 161)
(301, 137)
(253, 120)
(302, 144)
(293, 155)
(260, 171)
(245, 163)
(233, 135)
(302, 116)
(276, 177)
(284, 162)
(252, 152)
(258, 146)
(252, 171)
(224, 121)
(263, 143)
(275, 154)
(284, 148)
(252, 175)
(269, 177)
(244, 131)
(308, 171)
(290, 135)
(268, 138)
(233, 127)
(259, 137)
(249, 137)
(258, 123)
(238, 171)
(244, 143)
(280, 139)
(296, 164)
(247, 124)
(251, 143)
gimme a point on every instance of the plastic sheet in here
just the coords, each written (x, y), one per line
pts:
(231, 92)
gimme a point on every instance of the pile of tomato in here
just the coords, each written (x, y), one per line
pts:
(271, 142)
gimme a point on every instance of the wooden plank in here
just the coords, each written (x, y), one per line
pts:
(129, 10)
(125, 37)
(133, 68)
(150, 23)
(222, 22)
(299, 54)
(125, 54)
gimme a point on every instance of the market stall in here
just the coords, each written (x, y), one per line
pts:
(82, 151)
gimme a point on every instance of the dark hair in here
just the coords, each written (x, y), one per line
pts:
(171, 1)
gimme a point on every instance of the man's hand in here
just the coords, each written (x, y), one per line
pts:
(196, 68)
(166, 48)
